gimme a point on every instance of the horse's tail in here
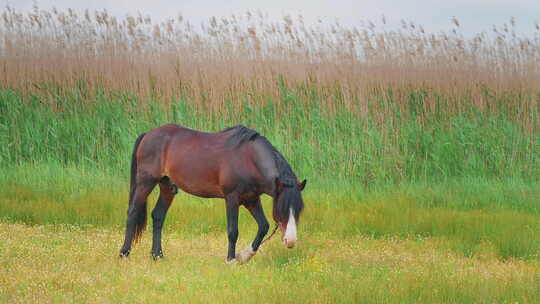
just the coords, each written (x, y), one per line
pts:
(140, 224)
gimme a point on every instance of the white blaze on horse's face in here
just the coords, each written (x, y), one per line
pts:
(290, 234)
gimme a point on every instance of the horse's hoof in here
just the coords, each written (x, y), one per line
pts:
(157, 257)
(245, 255)
(231, 262)
(124, 254)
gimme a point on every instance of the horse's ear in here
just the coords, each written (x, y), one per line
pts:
(279, 185)
(302, 185)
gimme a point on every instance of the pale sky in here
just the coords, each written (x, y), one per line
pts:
(434, 15)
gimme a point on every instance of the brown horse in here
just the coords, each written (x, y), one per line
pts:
(237, 164)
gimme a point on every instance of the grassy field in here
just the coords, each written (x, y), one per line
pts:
(422, 153)
(66, 264)
(468, 213)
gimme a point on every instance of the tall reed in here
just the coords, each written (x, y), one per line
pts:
(226, 60)
(368, 105)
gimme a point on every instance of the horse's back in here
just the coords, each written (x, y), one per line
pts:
(171, 129)
(152, 150)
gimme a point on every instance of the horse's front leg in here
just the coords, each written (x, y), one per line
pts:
(256, 210)
(232, 203)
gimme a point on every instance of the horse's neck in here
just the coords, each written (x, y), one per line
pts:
(272, 165)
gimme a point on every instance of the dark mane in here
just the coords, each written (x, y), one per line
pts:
(290, 196)
(285, 172)
(239, 135)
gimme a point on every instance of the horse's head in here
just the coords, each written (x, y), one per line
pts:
(288, 205)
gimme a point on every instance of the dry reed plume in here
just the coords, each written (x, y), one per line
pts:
(225, 60)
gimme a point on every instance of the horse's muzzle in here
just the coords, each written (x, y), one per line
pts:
(289, 243)
(289, 232)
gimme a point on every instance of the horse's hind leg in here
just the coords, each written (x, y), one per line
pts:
(136, 221)
(166, 196)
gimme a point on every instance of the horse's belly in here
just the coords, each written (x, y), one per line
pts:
(203, 193)
(195, 166)
(203, 183)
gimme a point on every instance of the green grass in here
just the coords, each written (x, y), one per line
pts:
(467, 213)
(389, 146)
(62, 263)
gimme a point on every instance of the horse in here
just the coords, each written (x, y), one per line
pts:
(237, 164)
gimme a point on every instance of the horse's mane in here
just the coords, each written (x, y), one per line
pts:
(239, 135)
(290, 196)
(285, 172)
